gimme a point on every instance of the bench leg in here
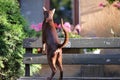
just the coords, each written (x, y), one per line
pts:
(27, 69)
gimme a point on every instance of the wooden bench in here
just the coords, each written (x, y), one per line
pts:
(71, 52)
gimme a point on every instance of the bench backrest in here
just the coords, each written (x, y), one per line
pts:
(74, 45)
(109, 42)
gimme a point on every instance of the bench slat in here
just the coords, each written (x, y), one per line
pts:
(110, 42)
(70, 59)
(72, 78)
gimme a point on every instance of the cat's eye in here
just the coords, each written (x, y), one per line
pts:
(46, 14)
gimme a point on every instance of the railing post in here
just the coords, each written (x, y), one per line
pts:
(27, 66)
(27, 69)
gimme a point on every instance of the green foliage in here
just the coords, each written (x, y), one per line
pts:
(35, 68)
(111, 1)
(72, 35)
(13, 29)
(11, 35)
(33, 33)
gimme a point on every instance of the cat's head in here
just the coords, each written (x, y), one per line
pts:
(48, 14)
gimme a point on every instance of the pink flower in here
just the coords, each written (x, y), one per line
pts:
(67, 26)
(115, 5)
(101, 5)
(32, 26)
(77, 29)
(37, 27)
(59, 26)
(118, 4)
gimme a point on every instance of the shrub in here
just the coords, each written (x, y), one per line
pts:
(11, 35)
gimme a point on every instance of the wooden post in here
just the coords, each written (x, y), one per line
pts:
(27, 66)
(76, 12)
(27, 69)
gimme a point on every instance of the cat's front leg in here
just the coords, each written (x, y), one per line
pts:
(44, 50)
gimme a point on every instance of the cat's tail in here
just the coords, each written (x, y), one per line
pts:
(66, 36)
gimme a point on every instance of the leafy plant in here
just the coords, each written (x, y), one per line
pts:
(13, 29)
(111, 1)
(11, 35)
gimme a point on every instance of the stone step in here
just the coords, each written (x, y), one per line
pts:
(72, 78)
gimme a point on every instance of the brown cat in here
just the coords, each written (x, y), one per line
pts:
(51, 43)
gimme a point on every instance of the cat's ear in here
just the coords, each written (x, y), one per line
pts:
(44, 9)
(53, 11)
